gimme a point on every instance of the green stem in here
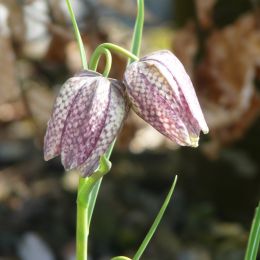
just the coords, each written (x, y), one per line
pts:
(78, 37)
(94, 62)
(138, 30)
(112, 47)
(82, 229)
(82, 232)
(254, 237)
(87, 194)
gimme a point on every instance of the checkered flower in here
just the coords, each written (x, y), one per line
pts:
(162, 93)
(87, 116)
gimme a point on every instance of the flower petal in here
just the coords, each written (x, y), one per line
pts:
(117, 110)
(85, 123)
(52, 140)
(163, 95)
(179, 74)
(153, 100)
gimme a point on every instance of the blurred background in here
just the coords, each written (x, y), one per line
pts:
(219, 183)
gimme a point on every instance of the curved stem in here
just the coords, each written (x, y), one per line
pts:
(138, 30)
(78, 37)
(94, 63)
(112, 47)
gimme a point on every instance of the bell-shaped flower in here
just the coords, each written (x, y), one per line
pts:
(162, 93)
(87, 116)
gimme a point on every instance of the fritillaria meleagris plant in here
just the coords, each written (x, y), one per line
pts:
(162, 93)
(90, 110)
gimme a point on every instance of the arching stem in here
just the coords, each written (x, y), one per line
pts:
(111, 47)
(94, 63)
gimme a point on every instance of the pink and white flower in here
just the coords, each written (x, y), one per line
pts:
(162, 93)
(87, 115)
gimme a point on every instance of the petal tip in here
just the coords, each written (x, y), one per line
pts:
(194, 141)
(205, 130)
(50, 155)
(46, 157)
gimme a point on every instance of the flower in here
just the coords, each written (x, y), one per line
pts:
(162, 93)
(87, 116)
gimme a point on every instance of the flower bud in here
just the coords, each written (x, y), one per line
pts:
(162, 93)
(87, 116)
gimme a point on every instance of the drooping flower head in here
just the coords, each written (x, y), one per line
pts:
(87, 116)
(162, 93)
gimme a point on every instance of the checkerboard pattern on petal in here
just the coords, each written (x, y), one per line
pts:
(162, 93)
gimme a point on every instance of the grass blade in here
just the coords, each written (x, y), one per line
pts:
(155, 223)
(254, 237)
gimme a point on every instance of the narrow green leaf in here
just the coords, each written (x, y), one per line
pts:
(155, 223)
(254, 237)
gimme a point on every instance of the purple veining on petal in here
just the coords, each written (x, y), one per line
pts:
(52, 140)
(155, 86)
(193, 123)
(88, 113)
(178, 72)
(156, 107)
(85, 123)
(117, 111)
